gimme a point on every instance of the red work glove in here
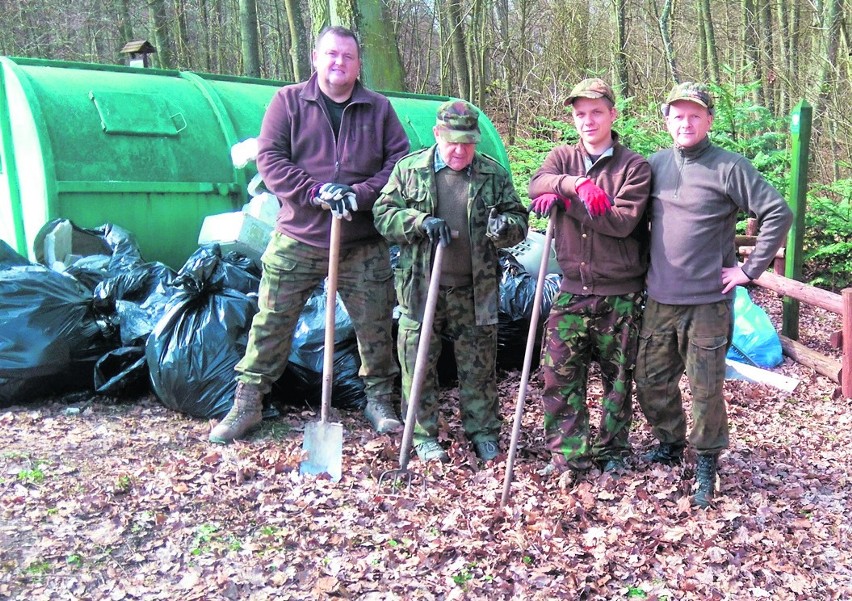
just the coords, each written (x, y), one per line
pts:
(542, 205)
(595, 200)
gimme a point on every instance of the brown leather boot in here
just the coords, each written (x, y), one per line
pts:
(243, 416)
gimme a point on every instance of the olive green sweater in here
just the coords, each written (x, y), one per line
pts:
(696, 195)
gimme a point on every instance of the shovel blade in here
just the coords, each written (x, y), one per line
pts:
(324, 446)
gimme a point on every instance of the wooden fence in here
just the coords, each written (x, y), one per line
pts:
(841, 304)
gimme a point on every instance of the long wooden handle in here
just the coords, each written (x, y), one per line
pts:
(525, 374)
(420, 364)
(330, 314)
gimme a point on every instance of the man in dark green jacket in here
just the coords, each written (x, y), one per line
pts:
(698, 191)
(449, 186)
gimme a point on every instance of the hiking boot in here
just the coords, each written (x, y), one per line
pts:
(430, 450)
(667, 453)
(244, 415)
(486, 449)
(381, 416)
(705, 477)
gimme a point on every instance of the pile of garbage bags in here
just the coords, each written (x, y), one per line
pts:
(103, 319)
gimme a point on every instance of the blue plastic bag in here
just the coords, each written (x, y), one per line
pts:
(755, 340)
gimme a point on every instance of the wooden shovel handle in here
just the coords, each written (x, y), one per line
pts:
(420, 364)
(525, 374)
(330, 314)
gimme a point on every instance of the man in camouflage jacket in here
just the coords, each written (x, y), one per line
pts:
(449, 186)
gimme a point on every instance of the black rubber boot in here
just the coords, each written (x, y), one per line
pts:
(705, 477)
(667, 453)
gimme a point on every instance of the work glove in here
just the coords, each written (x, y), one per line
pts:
(498, 225)
(542, 205)
(595, 200)
(340, 198)
(437, 230)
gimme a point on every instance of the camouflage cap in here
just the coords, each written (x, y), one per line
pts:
(458, 122)
(591, 88)
(693, 92)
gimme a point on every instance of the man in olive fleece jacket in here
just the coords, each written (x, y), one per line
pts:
(698, 190)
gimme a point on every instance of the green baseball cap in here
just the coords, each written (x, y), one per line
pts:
(591, 88)
(458, 122)
(693, 92)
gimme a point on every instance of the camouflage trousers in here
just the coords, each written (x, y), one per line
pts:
(582, 329)
(695, 339)
(476, 362)
(291, 272)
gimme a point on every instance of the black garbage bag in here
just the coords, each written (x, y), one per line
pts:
(304, 384)
(10, 258)
(135, 300)
(193, 349)
(122, 372)
(302, 380)
(90, 255)
(517, 296)
(208, 268)
(50, 337)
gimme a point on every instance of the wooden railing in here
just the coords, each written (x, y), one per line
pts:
(841, 304)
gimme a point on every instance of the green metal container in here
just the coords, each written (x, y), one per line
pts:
(145, 149)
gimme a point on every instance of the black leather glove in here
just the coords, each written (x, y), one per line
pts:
(498, 225)
(340, 198)
(437, 230)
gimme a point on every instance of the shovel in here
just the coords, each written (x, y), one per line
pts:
(525, 374)
(402, 478)
(323, 441)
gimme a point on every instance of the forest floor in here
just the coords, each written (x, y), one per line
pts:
(106, 499)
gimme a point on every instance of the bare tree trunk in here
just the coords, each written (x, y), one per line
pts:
(783, 18)
(622, 81)
(123, 23)
(381, 64)
(666, 34)
(162, 37)
(320, 16)
(827, 67)
(750, 25)
(446, 62)
(768, 54)
(205, 36)
(706, 18)
(459, 48)
(248, 38)
(184, 52)
(299, 45)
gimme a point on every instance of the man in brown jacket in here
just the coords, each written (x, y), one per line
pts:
(326, 148)
(597, 192)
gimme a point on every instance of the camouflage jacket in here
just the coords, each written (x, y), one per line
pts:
(410, 197)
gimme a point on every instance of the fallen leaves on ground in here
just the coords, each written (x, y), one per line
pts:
(128, 500)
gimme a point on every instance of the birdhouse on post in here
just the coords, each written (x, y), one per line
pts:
(137, 53)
